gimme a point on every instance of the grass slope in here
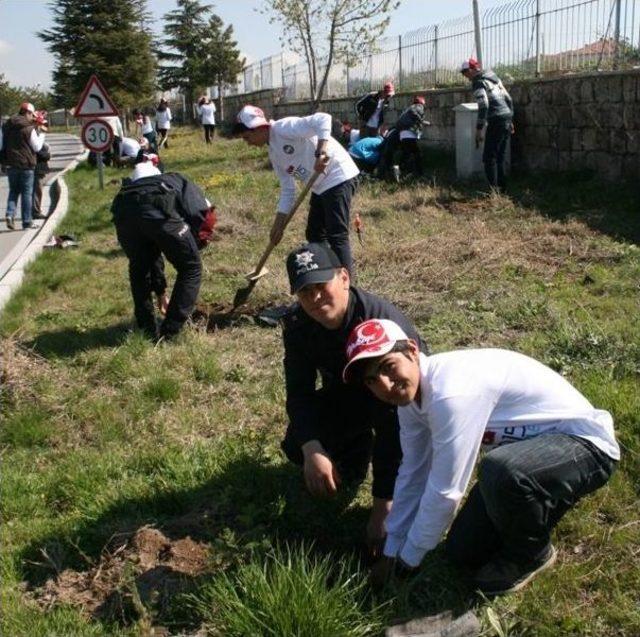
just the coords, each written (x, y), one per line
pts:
(102, 433)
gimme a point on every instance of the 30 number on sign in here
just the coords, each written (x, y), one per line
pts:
(97, 135)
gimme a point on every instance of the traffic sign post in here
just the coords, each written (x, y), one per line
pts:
(97, 136)
(95, 101)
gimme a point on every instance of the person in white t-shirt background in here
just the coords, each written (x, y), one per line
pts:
(299, 146)
(549, 447)
(163, 123)
(207, 112)
(145, 127)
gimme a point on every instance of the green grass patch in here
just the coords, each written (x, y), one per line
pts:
(102, 433)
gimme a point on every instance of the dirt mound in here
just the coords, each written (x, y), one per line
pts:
(145, 572)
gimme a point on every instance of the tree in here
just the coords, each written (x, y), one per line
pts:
(185, 31)
(222, 63)
(110, 39)
(202, 52)
(328, 31)
(12, 96)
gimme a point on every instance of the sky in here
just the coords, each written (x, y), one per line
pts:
(25, 61)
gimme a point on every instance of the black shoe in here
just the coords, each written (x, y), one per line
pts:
(10, 223)
(38, 215)
(501, 576)
(26, 226)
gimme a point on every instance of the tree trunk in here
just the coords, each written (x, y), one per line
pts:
(221, 102)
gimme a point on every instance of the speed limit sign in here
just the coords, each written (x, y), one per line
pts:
(97, 135)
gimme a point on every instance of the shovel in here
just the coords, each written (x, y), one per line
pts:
(243, 293)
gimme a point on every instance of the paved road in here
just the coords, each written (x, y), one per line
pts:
(64, 149)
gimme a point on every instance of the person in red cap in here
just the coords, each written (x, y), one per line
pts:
(298, 147)
(495, 112)
(370, 110)
(547, 448)
(406, 132)
(19, 143)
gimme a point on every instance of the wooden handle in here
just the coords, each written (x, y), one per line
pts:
(296, 205)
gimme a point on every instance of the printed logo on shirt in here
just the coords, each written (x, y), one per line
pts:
(300, 171)
(289, 149)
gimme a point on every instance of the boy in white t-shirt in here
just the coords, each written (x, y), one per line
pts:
(549, 448)
(298, 147)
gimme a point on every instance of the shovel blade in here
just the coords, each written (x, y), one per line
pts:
(242, 294)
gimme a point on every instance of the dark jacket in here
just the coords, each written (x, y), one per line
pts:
(160, 197)
(42, 160)
(16, 150)
(366, 106)
(411, 118)
(310, 349)
(492, 97)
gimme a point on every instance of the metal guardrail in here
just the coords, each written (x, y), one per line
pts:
(522, 38)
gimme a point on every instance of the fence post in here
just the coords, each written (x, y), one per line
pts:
(399, 62)
(476, 22)
(435, 56)
(537, 38)
(282, 68)
(616, 36)
(347, 63)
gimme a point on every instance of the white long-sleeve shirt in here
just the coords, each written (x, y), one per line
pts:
(470, 398)
(207, 113)
(163, 119)
(292, 146)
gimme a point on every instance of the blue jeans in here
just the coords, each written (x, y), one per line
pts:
(523, 490)
(20, 185)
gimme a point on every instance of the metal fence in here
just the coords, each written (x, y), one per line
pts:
(523, 38)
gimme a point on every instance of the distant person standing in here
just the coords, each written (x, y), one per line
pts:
(42, 167)
(410, 125)
(495, 111)
(207, 112)
(370, 110)
(20, 142)
(163, 123)
(146, 129)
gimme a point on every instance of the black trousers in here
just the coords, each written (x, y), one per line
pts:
(163, 134)
(389, 148)
(495, 147)
(410, 157)
(329, 220)
(145, 241)
(209, 132)
(523, 490)
(353, 436)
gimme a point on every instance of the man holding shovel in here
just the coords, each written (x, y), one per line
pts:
(298, 147)
(336, 430)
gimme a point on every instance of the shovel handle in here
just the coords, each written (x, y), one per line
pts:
(296, 205)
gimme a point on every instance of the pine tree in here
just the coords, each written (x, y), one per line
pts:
(110, 39)
(185, 31)
(222, 63)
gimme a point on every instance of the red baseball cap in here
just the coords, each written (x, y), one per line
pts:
(418, 99)
(471, 63)
(371, 339)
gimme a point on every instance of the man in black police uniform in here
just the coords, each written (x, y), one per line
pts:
(158, 215)
(335, 431)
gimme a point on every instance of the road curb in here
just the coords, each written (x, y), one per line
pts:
(31, 245)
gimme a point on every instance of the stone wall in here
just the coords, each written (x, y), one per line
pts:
(571, 122)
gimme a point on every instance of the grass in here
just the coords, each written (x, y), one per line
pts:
(102, 433)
